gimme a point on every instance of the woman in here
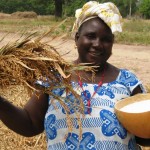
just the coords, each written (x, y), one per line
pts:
(100, 128)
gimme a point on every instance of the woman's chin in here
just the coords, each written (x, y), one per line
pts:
(95, 63)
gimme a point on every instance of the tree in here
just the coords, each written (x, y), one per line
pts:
(144, 8)
(70, 6)
(58, 8)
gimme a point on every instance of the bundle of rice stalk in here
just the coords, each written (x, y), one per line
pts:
(148, 88)
(26, 61)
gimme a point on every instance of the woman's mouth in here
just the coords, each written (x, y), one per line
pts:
(95, 54)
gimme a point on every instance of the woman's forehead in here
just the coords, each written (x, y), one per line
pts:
(94, 24)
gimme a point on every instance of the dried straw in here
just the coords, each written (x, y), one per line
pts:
(148, 88)
(28, 61)
(25, 61)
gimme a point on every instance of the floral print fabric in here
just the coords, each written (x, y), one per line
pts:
(101, 129)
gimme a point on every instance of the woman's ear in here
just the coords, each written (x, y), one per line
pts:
(76, 36)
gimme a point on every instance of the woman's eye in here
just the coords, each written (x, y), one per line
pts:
(90, 36)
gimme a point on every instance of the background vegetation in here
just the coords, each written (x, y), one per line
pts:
(135, 31)
(62, 8)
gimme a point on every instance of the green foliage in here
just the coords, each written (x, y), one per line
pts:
(144, 8)
(47, 7)
(41, 7)
(70, 6)
(124, 6)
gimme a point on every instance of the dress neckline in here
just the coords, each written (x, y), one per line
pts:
(119, 74)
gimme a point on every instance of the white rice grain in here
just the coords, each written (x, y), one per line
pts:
(137, 107)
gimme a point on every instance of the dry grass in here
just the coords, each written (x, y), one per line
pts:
(25, 14)
(9, 140)
(4, 16)
(21, 64)
(148, 88)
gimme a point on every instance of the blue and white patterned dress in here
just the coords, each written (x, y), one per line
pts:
(100, 130)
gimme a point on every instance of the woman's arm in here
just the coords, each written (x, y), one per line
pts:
(27, 121)
(143, 142)
(140, 141)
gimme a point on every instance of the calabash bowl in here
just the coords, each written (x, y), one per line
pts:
(136, 122)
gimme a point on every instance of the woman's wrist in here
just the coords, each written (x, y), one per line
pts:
(3, 102)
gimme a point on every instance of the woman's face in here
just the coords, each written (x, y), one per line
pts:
(94, 42)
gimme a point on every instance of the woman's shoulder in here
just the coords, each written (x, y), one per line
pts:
(128, 78)
(122, 75)
(126, 74)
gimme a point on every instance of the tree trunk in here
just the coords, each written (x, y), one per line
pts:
(130, 8)
(58, 8)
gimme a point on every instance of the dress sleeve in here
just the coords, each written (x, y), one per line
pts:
(42, 83)
(58, 91)
(130, 80)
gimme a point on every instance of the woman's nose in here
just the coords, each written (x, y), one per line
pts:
(97, 43)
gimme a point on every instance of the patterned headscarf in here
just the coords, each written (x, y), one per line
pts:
(108, 12)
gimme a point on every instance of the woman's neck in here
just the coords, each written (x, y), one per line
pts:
(89, 76)
(99, 68)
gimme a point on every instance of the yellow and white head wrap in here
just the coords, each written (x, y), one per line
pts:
(108, 12)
